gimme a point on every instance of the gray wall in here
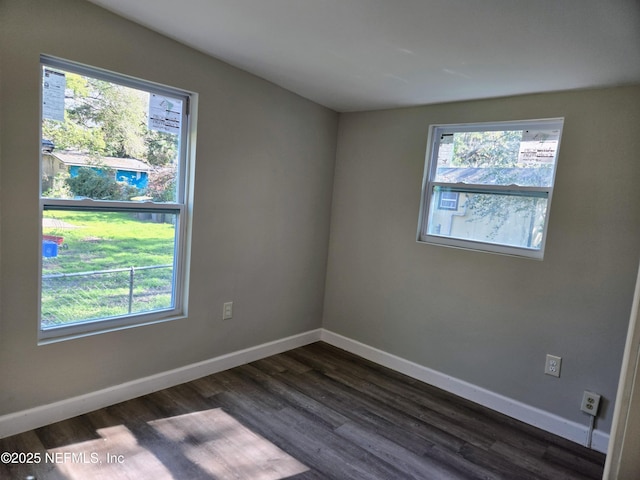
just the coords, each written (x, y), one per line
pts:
(263, 186)
(483, 318)
(263, 183)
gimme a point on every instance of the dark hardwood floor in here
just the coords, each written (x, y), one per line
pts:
(316, 412)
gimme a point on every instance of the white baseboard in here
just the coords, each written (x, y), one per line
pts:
(25, 420)
(525, 413)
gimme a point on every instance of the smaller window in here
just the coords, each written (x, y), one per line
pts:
(488, 186)
(448, 200)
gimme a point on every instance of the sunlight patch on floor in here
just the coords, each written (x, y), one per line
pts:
(116, 455)
(207, 444)
(224, 448)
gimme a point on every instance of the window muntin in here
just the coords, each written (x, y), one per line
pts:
(448, 200)
(502, 176)
(113, 200)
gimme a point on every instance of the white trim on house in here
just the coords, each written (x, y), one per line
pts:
(79, 159)
(29, 419)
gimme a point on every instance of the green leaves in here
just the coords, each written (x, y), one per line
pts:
(108, 119)
(99, 184)
(486, 149)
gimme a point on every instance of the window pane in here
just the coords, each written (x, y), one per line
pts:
(97, 265)
(107, 141)
(511, 220)
(513, 157)
(448, 200)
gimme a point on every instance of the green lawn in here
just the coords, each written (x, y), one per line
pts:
(96, 242)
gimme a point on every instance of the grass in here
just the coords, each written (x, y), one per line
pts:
(96, 241)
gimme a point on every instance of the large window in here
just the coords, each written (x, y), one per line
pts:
(113, 200)
(488, 186)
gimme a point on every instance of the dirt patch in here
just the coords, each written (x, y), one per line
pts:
(55, 223)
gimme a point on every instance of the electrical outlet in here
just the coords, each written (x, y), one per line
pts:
(590, 403)
(227, 310)
(552, 365)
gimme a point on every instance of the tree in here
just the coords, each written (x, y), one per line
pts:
(162, 148)
(107, 119)
(162, 184)
(100, 184)
(120, 111)
(493, 149)
(58, 186)
(496, 153)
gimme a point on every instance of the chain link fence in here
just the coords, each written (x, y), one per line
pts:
(92, 295)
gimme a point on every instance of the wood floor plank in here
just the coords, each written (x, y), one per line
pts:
(412, 465)
(359, 408)
(407, 395)
(447, 436)
(431, 416)
(281, 363)
(26, 443)
(206, 386)
(401, 437)
(459, 411)
(293, 396)
(574, 462)
(315, 412)
(66, 432)
(313, 444)
(497, 463)
(543, 470)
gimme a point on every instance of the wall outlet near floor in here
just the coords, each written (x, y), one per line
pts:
(590, 403)
(227, 310)
(552, 365)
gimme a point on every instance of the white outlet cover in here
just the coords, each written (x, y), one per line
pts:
(227, 310)
(552, 365)
(590, 403)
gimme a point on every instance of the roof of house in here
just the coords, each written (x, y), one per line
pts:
(495, 176)
(47, 145)
(82, 159)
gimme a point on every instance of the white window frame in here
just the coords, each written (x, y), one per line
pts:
(428, 185)
(181, 208)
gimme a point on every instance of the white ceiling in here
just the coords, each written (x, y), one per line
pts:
(354, 55)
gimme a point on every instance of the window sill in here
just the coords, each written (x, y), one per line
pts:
(82, 330)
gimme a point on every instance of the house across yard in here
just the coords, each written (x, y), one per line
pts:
(134, 172)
